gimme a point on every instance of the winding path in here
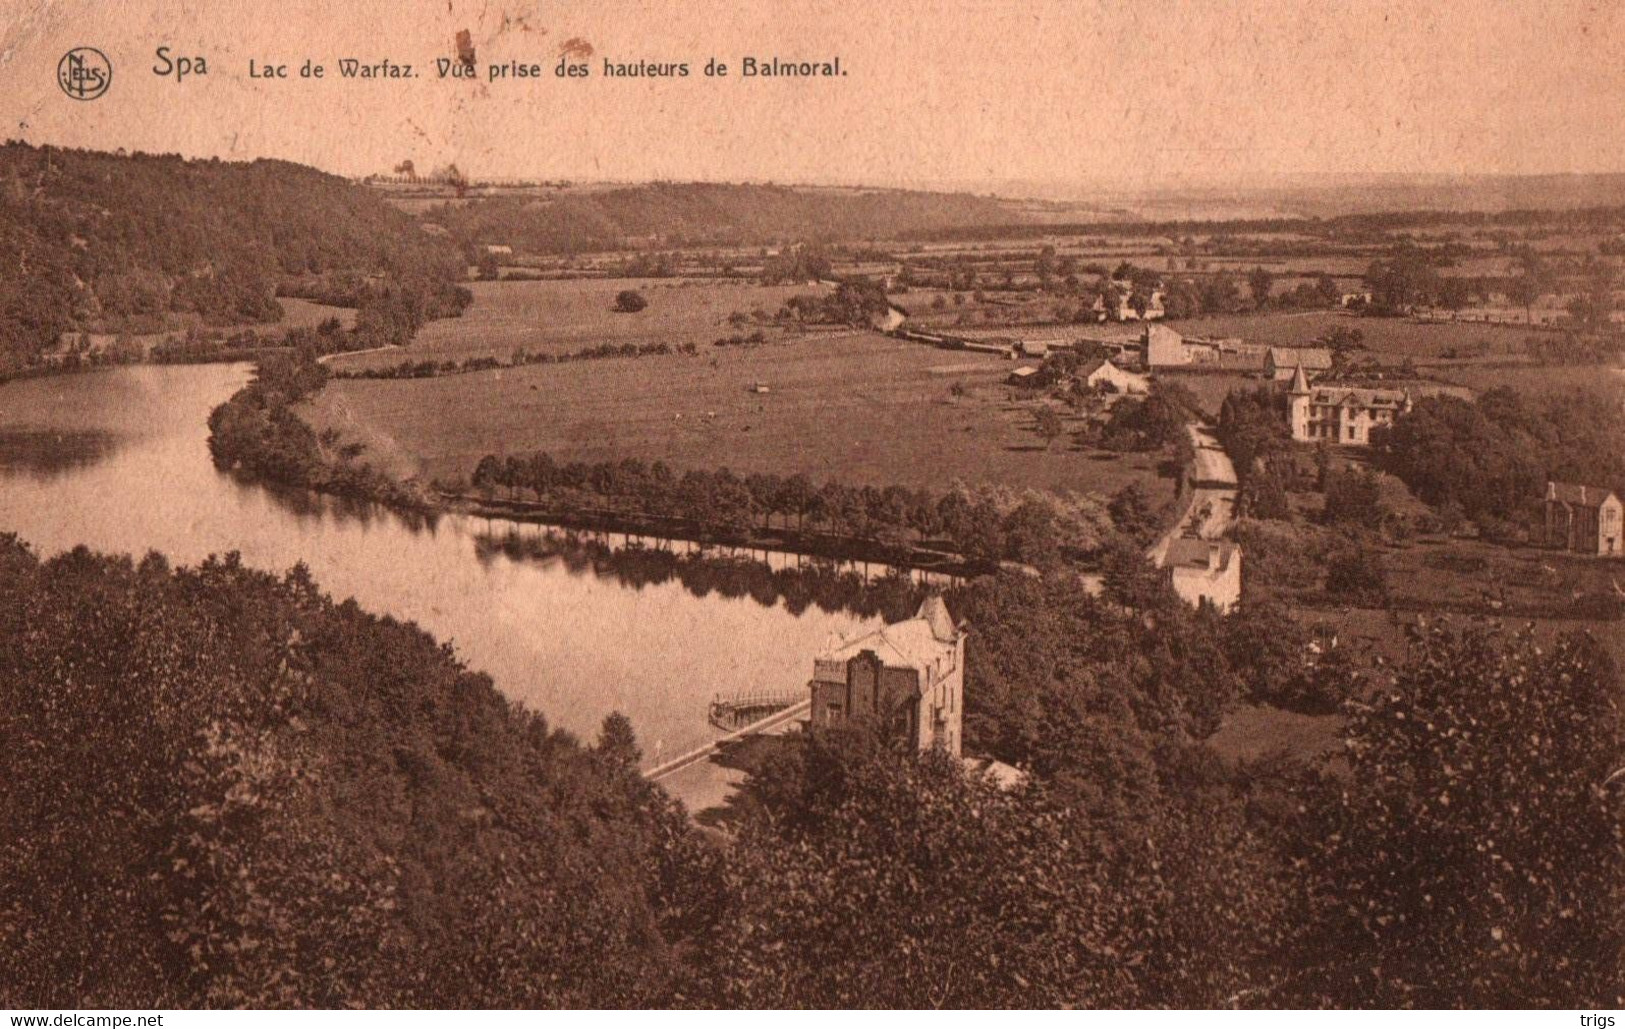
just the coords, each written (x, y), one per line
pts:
(1212, 507)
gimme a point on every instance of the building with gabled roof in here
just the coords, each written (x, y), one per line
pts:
(1100, 373)
(908, 677)
(1205, 571)
(1279, 362)
(1164, 347)
(1583, 519)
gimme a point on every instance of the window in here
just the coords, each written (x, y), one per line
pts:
(1351, 432)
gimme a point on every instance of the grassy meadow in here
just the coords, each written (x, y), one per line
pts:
(1398, 337)
(852, 406)
(562, 315)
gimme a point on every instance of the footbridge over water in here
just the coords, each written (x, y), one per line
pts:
(734, 711)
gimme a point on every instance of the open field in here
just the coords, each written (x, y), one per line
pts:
(857, 407)
(1537, 379)
(1517, 578)
(298, 313)
(1400, 337)
(569, 314)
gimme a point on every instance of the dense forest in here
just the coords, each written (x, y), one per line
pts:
(226, 789)
(111, 243)
(709, 213)
(1490, 458)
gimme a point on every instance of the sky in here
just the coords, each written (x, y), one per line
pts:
(955, 92)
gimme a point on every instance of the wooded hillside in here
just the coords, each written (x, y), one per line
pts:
(105, 242)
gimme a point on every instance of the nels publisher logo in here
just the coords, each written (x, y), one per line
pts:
(84, 73)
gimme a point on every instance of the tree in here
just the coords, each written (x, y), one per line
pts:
(1030, 534)
(1401, 280)
(1220, 294)
(877, 879)
(1533, 279)
(1593, 306)
(1130, 579)
(630, 301)
(271, 799)
(1354, 497)
(1132, 514)
(1259, 281)
(1454, 294)
(1049, 426)
(617, 742)
(1435, 878)
(1355, 575)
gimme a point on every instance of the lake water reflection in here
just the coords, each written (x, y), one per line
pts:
(117, 460)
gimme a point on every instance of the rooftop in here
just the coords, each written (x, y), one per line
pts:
(1213, 555)
(1578, 494)
(1312, 358)
(917, 642)
(1359, 396)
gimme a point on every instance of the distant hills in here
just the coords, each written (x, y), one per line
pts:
(1311, 196)
(711, 214)
(570, 218)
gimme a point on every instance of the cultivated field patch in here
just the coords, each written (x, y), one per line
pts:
(857, 407)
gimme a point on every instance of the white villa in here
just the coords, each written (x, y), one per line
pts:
(1341, 414)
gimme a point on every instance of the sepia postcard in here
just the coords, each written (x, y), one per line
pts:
(730, 504)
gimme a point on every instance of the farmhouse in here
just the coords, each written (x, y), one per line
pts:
(1122, 307)
(1280, 361)
(1026, 375)
(1205, 571)
(1164, 348)
(1341, 414)
(1583, 519)
(908, 676)
(1100, 374)
(890, 320)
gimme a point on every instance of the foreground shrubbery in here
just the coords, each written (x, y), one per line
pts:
(225, 789)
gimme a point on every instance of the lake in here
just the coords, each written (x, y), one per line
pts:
(117, 460)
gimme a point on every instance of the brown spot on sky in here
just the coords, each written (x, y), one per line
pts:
(577, 47)
(465, 47)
